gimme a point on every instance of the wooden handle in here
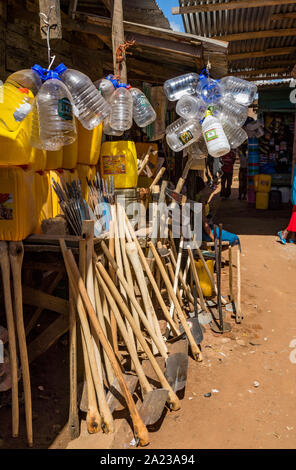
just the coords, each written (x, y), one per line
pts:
(230, 274)
(180, 185)
(145, 160)
(73, 422)
(196, 279)
(157, 177)
(16, 254)
(238, 302)
(140, 429)
(194, 348)
(172, 398)
(144, 262)
(5, 268)
(132, 252)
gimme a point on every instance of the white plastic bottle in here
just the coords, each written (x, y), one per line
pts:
(56, 119)
(121, 118)
(89, 105)
(15, 105)
(239, 90)
(176, 87)
(106, 86)
(190, 107)
(182, 133)
(214, 136)
(143, 113)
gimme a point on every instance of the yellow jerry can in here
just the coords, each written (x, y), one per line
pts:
(86, 171)
(119, 159)
(262, 200)
(89, 144)
(54, 159)
(205, 282)
(43, 198)
(59, 176)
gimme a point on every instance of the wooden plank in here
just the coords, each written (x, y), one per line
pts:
(283, 16)
(228, 6)
(46, 301)
(51, 8)
(48, 337)
(266, 53)
(271, 33)
(165, 45)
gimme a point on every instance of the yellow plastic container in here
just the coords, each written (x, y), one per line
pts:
(264, 183)
(142, 149)
(256, 182)
(37, 159)
(89, 144)
(85, 171)
(70, 155)
(120, 160)
(205, 282)
(262, 200)
(54, 159)
(59, 176)
(17, 203)
(43, 198)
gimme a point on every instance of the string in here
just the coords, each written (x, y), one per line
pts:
(46, 30)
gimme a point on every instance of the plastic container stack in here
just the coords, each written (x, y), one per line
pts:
(221, 107)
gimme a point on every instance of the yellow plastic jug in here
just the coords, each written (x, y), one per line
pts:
(85, 171)
(256, 182)
(54, 159)
(70, 155)
(17, 203)
(37, 159)
(43, 198)
(262, 200)
(264, 183)
(142, 149)
(89, 144)
(120, 160)
(205, 282)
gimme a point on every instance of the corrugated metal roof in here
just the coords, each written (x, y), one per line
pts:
(241, 20)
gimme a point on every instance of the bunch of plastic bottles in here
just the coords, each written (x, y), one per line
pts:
(213, 110)
(56, 97)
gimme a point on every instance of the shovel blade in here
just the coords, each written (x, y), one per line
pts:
(195, 329)
(176, 370)
(114, 396)
(153, 405)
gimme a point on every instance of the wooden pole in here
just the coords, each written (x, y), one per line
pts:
(117, 39)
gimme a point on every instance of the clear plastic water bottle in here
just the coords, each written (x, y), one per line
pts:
(89, 105)
(56, 119)
(228, 110)
(183, 133)
(214, 136)
(106, 86)
(176, 87)
(198, 150)
(107, 129)
(236, 135)
(35, 140)
(143, 113)
(210, 89)
(190, 107)
(121, 118)
(242, 91)
(25, 78)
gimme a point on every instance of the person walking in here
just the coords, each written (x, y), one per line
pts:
(243, 173)
(290, 232)
(227, 168)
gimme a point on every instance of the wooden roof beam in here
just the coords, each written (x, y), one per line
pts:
(228, 6)
(266, 53)
(271, 33)
(283, 16)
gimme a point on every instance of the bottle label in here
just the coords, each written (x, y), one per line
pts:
(6, 206)
(185, 137)
(65, 109)
(211, 134)
(143, 102)
(114, 164)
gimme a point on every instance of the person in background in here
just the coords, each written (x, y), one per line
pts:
(290, 232)
(243, 172)
(227, 168)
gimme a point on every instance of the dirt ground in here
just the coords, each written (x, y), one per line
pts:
(250, 372)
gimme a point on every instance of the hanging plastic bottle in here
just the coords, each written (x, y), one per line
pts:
(89, 105)
(182, 133)
(209, 88)
(228, 110)
(107, 129)
(239, 90)
(121, 102)
(143, 113)
(214, 136)
(56, 120)
(190, 107)
(35, 139)
(176, 87)
(106, 86)
(26, 78)
(236, 135)
(198, 150)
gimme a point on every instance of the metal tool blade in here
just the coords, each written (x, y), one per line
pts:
(153, 405)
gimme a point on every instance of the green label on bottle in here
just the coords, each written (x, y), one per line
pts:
(185, 137)
(65, 109)
(211, 135)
